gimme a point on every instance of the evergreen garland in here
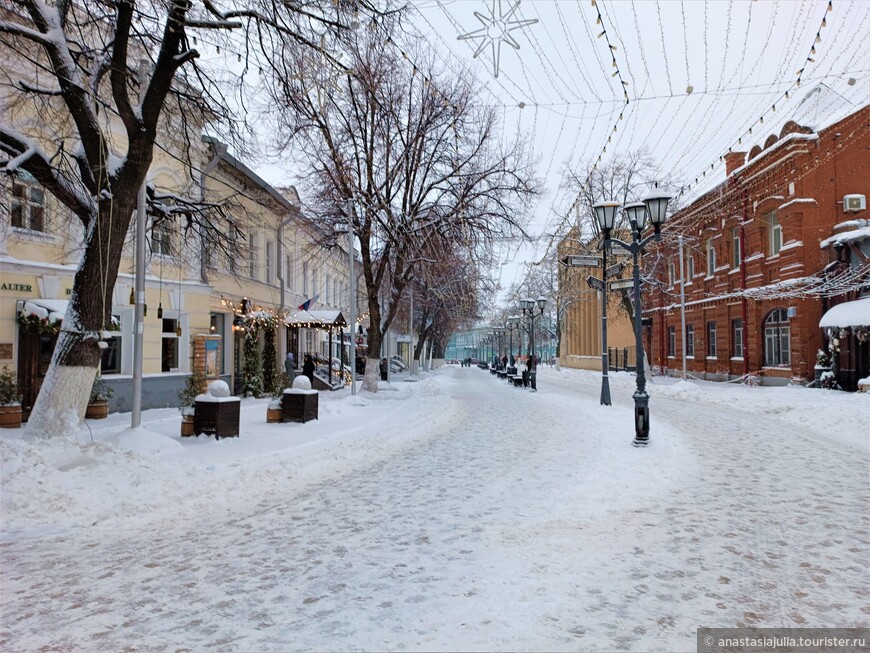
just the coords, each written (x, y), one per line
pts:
(270, 363)
(252, 382)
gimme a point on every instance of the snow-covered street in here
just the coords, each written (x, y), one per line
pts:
(456, 513)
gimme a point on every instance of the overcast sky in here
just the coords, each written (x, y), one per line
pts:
(697, 76)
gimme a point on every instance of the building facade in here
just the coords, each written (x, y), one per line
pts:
(581, 333)
(762, 260)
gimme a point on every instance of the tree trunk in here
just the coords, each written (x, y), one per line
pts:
(60, 407)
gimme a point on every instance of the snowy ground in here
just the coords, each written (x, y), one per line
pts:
(455, 513)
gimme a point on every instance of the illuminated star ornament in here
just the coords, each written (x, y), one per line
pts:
(496, 28)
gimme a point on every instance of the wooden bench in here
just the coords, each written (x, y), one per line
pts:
(516, 379)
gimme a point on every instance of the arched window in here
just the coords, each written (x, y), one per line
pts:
(777, 339)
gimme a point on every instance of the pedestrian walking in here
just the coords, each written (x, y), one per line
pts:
(308, 368)
(383, 369)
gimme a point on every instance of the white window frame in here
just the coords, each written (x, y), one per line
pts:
(736, 248)
(775, 233)
(252, 254)
(711, 258)
(270, 250)
(27, 203)
(711, 339)
(690, 341)
(690, 264)
(737, 337)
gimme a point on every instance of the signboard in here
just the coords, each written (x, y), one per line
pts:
(582, 260)
(614, 270)
(623, 284)
(212, 348)
(597, 284)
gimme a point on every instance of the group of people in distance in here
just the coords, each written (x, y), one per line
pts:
(307, 367)
(529, 374)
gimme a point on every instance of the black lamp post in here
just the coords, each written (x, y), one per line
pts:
(653, 206)
(512, 325)
(528, 308)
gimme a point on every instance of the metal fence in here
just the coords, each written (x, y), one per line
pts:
(621, 358)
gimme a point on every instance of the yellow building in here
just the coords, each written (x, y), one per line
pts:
(581, 345)
(189, 288)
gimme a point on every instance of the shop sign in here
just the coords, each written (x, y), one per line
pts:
(17, 287)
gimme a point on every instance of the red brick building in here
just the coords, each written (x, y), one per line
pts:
(766, 255)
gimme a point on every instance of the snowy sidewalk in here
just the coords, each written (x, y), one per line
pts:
(456, 513)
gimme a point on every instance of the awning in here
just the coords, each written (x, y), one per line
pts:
(315, 319)
(53, 309)
(848, 314)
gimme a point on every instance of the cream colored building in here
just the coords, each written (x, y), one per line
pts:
(189, 290)
(581, 345)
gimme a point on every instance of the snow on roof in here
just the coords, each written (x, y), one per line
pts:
(53, 309)
(798, 200)
(848, 314)
(821, 107)
(862, 233)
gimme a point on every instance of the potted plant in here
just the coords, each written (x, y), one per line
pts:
(273, 410)
(196, 384)
(823, 366)
(98, 404)
(10, 400)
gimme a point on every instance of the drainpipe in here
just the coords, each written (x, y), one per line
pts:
(279, 268)
(743, 299)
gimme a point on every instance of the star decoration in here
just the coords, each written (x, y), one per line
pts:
(496, 29)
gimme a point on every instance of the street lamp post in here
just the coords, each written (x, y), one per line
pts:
(512, 325)
(654, 207)
(528, 308)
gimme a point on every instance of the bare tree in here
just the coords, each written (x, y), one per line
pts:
(401, 153)
(626, 179)
(91, 69)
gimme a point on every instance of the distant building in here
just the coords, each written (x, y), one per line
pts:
(581, 342)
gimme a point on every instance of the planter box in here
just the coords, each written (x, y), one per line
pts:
(10, 417)
(97, 409)
(217, 418)
(273, 415)
(299, 405)
(186, 426)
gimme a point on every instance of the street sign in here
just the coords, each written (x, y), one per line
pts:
(597, 284)
(614, 270)
(623, 284)
(582, 261)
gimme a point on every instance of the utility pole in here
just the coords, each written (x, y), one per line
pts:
(139, 310)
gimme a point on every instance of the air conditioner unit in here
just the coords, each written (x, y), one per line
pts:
(854, 203)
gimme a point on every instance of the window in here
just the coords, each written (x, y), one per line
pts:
(252, 255)
(736, 249)
(775, 231)
(27, 208)
(169, 345)
(110, 362)
(711, 340)
(691, 265)
(690, 340)
(671, 273)
(335, 295)
(711, 258)
(777, 339)
(288, 276)
(232, 245)
(326, 289)
(305, 279)
(217, 326)
(269, 249)
(672, 341)
(737, 338)
(161, 237)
